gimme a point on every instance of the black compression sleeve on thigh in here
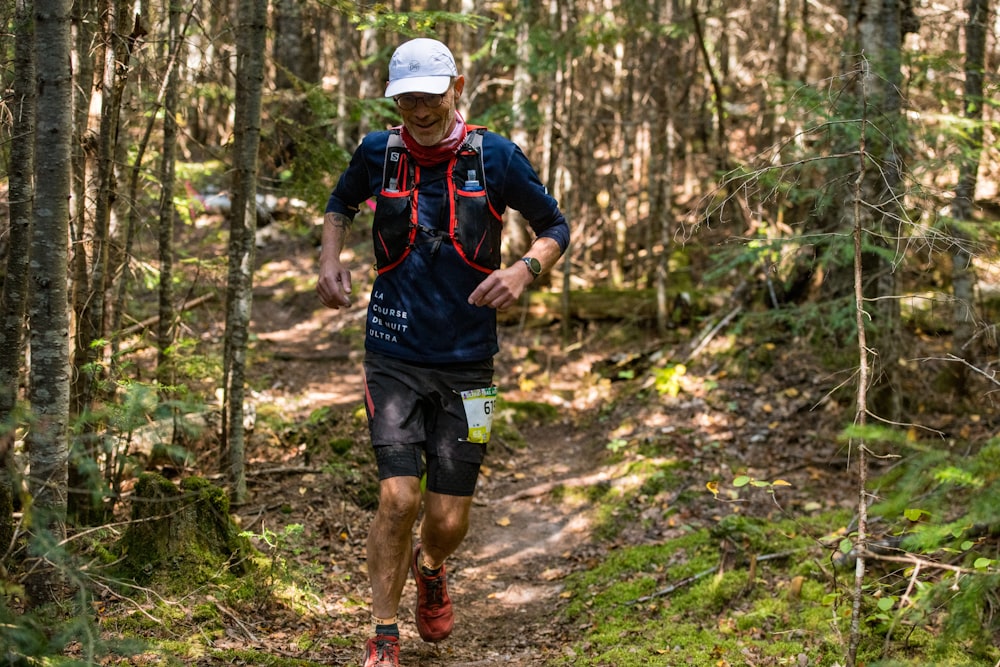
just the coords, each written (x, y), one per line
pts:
(451, 477)
(398, 461)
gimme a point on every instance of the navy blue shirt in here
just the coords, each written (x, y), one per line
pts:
(419, 310)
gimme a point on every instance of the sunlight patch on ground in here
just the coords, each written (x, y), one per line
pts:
(350, 393)
(530, 534)
(518, 594)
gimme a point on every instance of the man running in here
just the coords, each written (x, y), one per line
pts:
(440, 187)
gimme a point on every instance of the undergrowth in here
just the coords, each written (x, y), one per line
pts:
(696, 600)
(942, 521)
(703, 600)
(760, 591)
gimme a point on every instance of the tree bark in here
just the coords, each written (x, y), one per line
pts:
(165, 326)
(92, 327)
(242, 231)
(85, 28)
(879, 39)
(49, 304)
(718, 94)
(963, 275)
(663, 63)
(861, 317)
(14, 299)
(91, 310)
(288, 43)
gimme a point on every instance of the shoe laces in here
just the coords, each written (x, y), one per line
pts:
(434, 590)
(385, 651)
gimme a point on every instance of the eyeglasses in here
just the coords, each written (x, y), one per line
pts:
(409, 102)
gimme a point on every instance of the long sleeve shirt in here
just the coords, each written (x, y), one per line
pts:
(419, 310)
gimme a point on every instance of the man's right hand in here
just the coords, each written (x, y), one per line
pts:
(334, 285)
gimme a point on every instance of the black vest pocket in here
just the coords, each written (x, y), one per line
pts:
(391, 239)
(477, 231)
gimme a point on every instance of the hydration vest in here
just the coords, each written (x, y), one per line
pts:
(474, 226)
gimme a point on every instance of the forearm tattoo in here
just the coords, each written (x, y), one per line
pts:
(340, 221)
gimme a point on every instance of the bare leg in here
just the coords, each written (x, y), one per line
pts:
(389, 542)
(445, 523)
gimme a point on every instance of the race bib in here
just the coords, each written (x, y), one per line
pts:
(479, 407)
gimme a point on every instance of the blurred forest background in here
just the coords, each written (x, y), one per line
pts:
(829, 169)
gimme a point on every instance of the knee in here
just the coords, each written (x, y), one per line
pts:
(447, 525)
(399, 506)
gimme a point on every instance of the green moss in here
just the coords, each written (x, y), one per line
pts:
(206, 615)
(181, 535)
(142, 623)
(528, 412)
(507, 433)
(666, 604)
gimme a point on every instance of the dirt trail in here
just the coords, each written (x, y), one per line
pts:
(506, 578)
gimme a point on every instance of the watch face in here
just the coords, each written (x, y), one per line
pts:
(534, 265)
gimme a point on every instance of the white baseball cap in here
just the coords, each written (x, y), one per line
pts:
(421, 65)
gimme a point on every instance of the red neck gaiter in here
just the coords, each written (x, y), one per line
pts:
(444, 150)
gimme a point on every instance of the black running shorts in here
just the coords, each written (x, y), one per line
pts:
(424, 415)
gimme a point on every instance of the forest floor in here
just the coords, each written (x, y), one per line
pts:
(525, 535)
(598, 413)
(524, 538)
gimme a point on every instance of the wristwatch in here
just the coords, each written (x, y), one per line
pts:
(534, 266)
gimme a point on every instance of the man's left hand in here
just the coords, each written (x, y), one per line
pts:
(502, 288)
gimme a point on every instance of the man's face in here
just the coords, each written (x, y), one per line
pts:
(430, 125)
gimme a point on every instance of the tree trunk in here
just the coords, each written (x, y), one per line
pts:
(242, 231)
(49, 304)
(878, 38)
(883, 142)
(287, 45)
(89, 355)
(516, 234)
(860, 410)
(85, 28)
(558, 159)
(165, 327)
(91, 325)
(971, 142)
(718, 94)
(15, 284)
(889, 197)
(663, 64)
(181, 533)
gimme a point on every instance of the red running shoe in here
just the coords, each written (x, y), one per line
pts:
(435, 618)
(382, 651)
